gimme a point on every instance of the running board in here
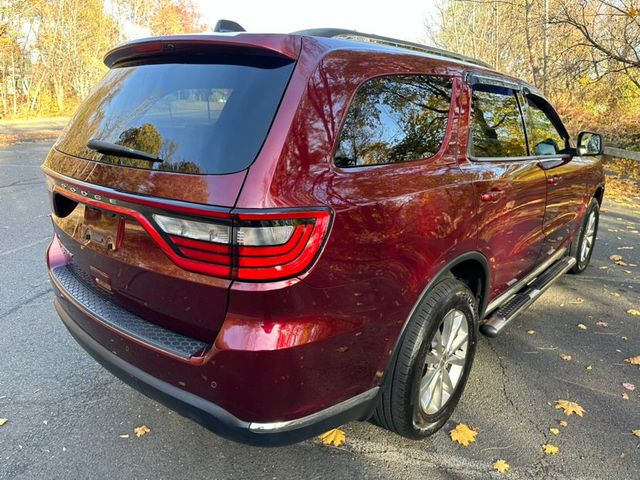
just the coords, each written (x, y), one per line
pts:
(521, 300)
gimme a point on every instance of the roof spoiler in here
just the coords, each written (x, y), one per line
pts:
(278, 45)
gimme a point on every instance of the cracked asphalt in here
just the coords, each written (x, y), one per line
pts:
(66, 414)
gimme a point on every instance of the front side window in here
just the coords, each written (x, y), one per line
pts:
(544, 138)
(496, 123)
(395, 119)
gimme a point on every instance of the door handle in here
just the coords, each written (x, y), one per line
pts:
(491, 196)
(553, 180)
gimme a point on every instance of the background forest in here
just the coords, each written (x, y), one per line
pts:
(584, 54)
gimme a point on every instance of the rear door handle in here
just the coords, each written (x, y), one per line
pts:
(492, 195)
(553, 180)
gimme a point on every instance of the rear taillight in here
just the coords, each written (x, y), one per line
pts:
(250, 246)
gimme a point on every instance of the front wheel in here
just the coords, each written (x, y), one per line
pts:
(583, 248)
(430, 369)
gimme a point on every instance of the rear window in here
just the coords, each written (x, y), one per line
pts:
(395, 119)
(199, 118)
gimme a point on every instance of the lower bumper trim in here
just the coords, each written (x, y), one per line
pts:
(212, 416)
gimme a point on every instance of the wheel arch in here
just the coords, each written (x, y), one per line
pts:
(470, 263)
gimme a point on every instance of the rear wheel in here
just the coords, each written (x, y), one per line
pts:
(432, 364)
(583, 248)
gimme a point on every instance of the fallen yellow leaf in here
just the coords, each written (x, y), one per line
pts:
(633, 360)
(589, 368)
(555, 431)
(463, 434)
(142, 430)
(634, 312)
(582, 326)
(335, 437)
(3, 421)
(569, 408)
(636, 432)
(566, 358)
(550, 449)
(564, 423)
(501, 466)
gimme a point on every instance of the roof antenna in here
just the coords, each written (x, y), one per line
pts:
(225, 26)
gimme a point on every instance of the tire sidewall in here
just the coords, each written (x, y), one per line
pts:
(460, 299)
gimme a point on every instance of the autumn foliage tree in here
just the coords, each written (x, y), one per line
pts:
(51, 50)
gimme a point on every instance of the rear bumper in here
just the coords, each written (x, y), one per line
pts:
(212, 416)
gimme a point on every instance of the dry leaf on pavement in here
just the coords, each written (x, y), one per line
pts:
(566, 358)
(633, 360)
(555, 431)
(463, 434)
(629, 386)
(3, 421)
(335, 437)
(602, 324)
(569, 408)
(636, 432)
(501, 466)
(625, 396)
(582, 326)
(634, 312)
(564, 423)
(142, 430)
(550, 449)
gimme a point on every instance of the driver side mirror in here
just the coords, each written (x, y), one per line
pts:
(590, 144)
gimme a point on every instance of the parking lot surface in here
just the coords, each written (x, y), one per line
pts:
(66, 414)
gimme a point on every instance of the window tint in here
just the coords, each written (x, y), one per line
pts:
(395, 119)
(544, 138)
(496, 123)
(199, 118)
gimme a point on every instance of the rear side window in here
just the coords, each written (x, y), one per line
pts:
(201, 118)
(496, 123)
(395, 119)
(544, 138)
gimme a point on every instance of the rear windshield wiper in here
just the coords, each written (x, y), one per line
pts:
(116, 150)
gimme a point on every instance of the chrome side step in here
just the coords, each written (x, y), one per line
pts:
(521, 300)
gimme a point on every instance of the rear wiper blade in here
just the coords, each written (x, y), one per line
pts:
(116, 150)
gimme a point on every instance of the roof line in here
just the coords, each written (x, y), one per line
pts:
(393, 42)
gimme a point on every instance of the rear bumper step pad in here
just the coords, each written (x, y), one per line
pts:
(77, 287)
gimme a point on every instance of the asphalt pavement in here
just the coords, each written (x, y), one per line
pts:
(66, 414)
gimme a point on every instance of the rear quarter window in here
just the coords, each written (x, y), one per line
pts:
(200, 118)
(395, 119)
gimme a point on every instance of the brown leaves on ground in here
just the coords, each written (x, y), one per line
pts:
(335, 437)
(3, 421)
(617, 259)
(633, 360)
(463, 434)
(569, 408)
(550, 449)
(566, 358)
(636, 432)
(564, 423)
(142, 430)
(501, 466)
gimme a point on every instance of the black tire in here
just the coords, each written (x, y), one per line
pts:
(399, 408)
(582, 262)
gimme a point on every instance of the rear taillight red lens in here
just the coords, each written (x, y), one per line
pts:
(250, 246)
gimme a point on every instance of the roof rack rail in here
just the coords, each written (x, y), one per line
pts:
(394, 42)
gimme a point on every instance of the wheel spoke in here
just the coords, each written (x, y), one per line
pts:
(459, 341)
(447, 383)
(455, 360)
(436, 399)
(428, 382)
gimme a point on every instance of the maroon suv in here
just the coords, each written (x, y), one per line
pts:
(278, 234)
